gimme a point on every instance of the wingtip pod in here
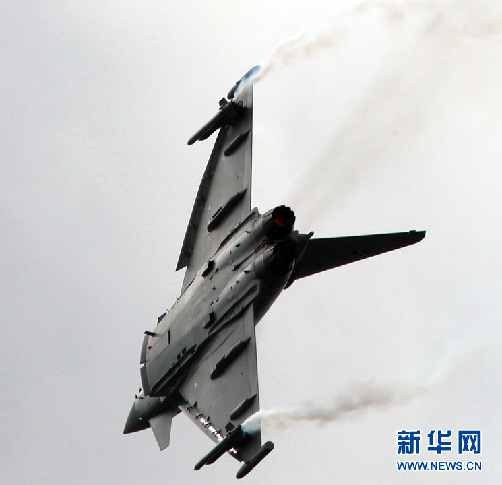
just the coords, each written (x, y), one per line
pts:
(255, 459)
(231, 439)
(244, 82)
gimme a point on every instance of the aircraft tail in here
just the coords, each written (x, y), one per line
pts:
(161, 427)
(323, 254)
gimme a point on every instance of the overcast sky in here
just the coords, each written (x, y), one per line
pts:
(379, 117)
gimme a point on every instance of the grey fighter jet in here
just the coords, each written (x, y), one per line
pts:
(200, 359)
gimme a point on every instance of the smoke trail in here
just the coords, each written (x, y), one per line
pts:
(364, 397)
(461, 16)
(401, 102)
(337, 28)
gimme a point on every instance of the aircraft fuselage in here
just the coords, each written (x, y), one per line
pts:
(251, 267)
(201, 358)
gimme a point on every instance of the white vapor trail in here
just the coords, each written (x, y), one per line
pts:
(363, 397)
(462, 16)
(424, 73)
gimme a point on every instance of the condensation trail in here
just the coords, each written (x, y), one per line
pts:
(365, 397)
(462, 16)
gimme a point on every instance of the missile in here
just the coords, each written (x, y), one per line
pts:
(229, 113)
(255, 459)
(231, 439)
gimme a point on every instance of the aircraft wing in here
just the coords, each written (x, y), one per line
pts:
(323, 254)
(224, 197)
(222, 390)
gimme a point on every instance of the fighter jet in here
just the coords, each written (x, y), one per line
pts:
(200, 359)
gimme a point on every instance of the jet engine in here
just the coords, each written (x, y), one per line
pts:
(276, 261)
(276, 224)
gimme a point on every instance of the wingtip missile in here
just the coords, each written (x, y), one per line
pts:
(230, 110)
(227, 114)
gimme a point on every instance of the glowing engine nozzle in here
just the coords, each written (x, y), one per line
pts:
(277, 223)
(277, 260)
(285, 251)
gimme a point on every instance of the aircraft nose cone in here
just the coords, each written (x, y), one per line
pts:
(134, 423)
